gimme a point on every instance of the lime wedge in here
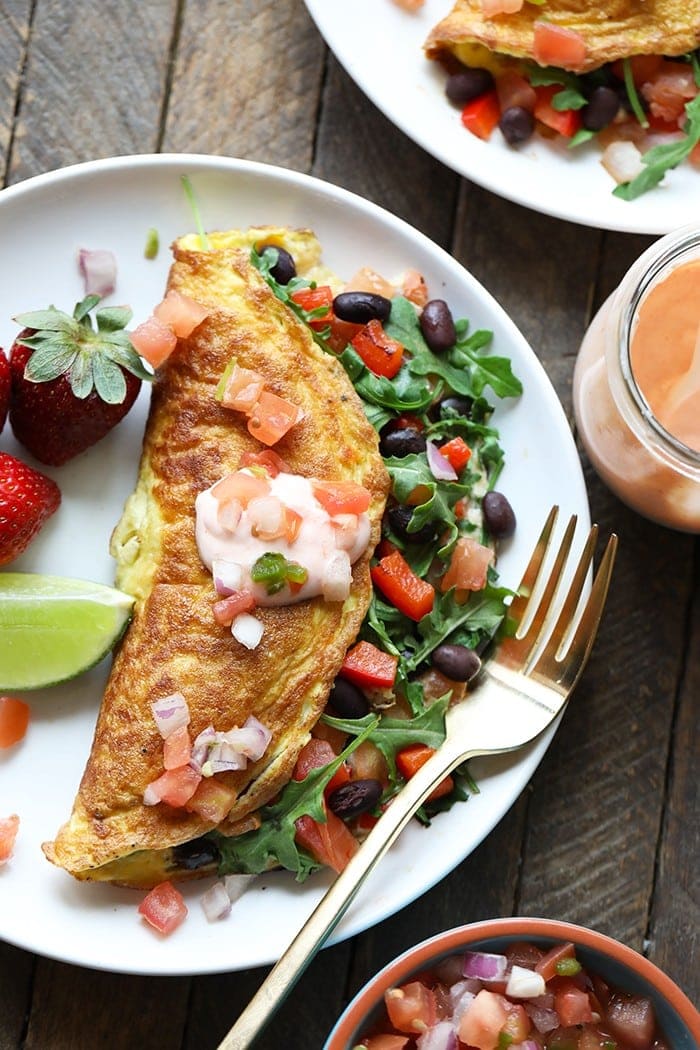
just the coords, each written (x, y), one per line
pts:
(53, 628)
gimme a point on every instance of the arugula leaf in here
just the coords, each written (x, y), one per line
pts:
(581, 136)
(569, 98)
(391, 735)
(273, 842)
(660, 159)
(481, 615)
(403, 393)
(631, 89)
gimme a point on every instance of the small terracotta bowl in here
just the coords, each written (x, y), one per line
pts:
(614, 962)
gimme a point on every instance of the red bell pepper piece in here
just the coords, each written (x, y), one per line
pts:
(457, 453)
(366, 665)
(564, 121)
(312, 299)
(409, 761)
(381, 353)
(398, 582)
(482, 114)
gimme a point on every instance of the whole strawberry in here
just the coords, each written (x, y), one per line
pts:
(27, 499)
(72, 382)
(5, 384)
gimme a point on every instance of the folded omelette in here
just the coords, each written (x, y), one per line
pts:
(173, 643)
(611, 29)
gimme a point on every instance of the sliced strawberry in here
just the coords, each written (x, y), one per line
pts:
(71, 383)
(5, 386)
(27, 499)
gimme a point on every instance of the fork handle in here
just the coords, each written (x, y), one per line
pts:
(333, 905)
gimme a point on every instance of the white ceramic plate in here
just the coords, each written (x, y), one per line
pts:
(410, 90)
(111, 204)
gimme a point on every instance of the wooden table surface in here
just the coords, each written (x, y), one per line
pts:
(607, 832)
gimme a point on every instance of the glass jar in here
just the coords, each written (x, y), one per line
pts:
(644, 464)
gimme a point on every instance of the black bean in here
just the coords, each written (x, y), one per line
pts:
(437, 326)
(603, 104)
(401, 442)
(463, 86)
(284, 269)
(355, 797)
(361, 307)
(456, 662)
(399, 520)
(443, 409)
(196, 854)
(517, 125)
(498, 515)
(347, 700)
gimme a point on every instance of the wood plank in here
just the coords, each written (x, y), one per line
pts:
(674, 932)
(76, 1009)
(17, 969)
(247, 78)
(93, 84)
(14, 18)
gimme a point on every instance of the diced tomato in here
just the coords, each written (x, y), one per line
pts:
(292, 523)
(227, 609)
(164, 908)
(331, 843)
(181, 313)
(268, 460)
(368, 763)
(525, 954)
(241, 487)
(555, 45)
(572, 1004)
(177, 748)
(382, 354)
(176, 786)
(420, 494)
(212, 800)
(154, 341)
(368, 280)
(668, 90)
(272, 417)
(410, 759)
(313, 299)
(341, 333)
(514, 90)
(313, 755)
(643, 68)
(457, 453)
(500, 7)
(14, 719)
(367, 666)
(240, 388)
(341, 497)
(483, 1020)
(461, 508)
(566, 122)
(518, 1023)
(411, 1008)
(547, 965)
(9, 826)
(405, 590)
(630, 1018)
(468, 567)
(337, 738)
(482, 114)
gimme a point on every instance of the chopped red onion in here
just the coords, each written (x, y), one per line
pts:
(484, 965)
(462, 995)
(337, 577)
(544, 1019)
(228, 576)
(524, 983)
(151, 796)
(527, 1044)
(440, 1036)
(170, 712)
(440, 468)
(99, 270)
(218, 752)
(251, 739)
(216, 902)
(247, 630)
(223, 758)
(201, 746)
(236, 885)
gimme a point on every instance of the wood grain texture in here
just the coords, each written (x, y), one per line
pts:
(93, 84)
(14, 34)
(16, 974)
(246, 82)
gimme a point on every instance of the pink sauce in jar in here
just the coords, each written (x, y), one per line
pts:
(637, 385)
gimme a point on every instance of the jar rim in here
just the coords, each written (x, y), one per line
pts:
(662, 255)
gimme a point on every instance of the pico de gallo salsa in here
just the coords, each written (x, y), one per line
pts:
(528, 998)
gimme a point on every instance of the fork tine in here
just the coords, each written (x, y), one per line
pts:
(562, 670)
(519, 604)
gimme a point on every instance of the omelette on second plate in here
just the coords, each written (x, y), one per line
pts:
(174, 646)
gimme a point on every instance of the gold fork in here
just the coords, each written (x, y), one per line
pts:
(522, 687)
